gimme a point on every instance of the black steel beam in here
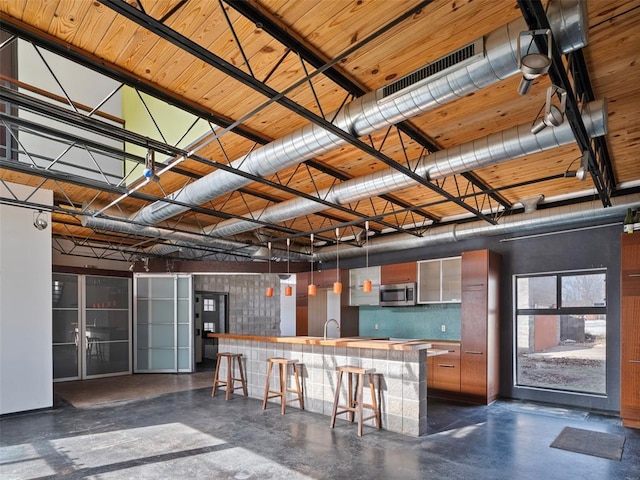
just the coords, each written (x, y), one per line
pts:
(217, 62)
(536, 18)
(273, 28)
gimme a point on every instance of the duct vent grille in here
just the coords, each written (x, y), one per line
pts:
(463, 56)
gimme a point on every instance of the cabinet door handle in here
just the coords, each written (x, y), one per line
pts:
(634, 274)
(471, 352)
(451, 351)
(446, 365)
(634, 361)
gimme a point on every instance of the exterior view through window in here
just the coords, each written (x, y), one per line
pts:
(561, 331)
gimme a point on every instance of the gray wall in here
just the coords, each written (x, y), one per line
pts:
(251, 312)
(569, 250)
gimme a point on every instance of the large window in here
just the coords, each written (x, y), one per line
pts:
(561, 338)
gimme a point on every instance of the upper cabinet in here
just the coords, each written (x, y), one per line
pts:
(398, 273)
(439, 281)
(356, 295)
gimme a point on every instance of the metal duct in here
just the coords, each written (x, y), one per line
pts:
(490, 150)
(565, 216)
(371, 112)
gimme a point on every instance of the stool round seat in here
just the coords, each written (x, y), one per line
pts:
(355, 400)
(283, 367)
(230, 382)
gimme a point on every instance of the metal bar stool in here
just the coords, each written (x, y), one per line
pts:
(355, 403)
(283, 368)
(230, 382)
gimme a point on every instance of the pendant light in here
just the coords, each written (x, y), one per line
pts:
(366, 285)
(337, 286)
(269, 291)
(311, 289)
(288, 290)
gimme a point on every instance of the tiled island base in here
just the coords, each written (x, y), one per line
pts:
(401, 377)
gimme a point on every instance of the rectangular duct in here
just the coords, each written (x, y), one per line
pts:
(463, 56)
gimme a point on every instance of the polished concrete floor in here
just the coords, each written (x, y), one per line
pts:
(190, 435)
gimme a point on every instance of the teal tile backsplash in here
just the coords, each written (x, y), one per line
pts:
(421, 321)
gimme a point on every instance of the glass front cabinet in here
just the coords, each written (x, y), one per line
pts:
(91, 326)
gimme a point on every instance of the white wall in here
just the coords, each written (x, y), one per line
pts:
(26, 368)
(288, 307)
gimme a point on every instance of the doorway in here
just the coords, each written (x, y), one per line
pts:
(211, 315)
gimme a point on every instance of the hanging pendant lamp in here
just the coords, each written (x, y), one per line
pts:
(269, 291)
(337, 286)
(288, 291)
(366, 285)
(311, 289)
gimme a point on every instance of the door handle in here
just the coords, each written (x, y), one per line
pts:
(634, 361)
(471, 352)
(446, 365)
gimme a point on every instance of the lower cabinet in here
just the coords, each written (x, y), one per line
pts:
(443, 371)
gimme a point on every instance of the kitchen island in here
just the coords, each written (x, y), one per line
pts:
(401, 366)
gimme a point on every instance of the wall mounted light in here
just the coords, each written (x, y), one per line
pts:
(311, 289)
(553, 115)
(337, 286)
(532, 65)
(40, 220)
(366, 285)
(269, 291)
(288, 291)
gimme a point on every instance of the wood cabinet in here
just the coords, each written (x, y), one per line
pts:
(439, 281)
(630, 330)
(443, 371)
(479, 349)
(398, 273)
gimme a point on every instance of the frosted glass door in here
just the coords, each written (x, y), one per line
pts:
(163, 324)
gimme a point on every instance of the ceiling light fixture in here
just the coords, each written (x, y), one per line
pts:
(311, 289)
(269, 292)
(288, 291)
(366, 285)
(553, 115)
(40, 220)
(532, 65)
(580, 173)
(337, 286)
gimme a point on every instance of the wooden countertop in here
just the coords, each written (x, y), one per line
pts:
(353, 342)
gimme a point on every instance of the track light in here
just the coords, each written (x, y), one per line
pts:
(532, 65)
(581, 172)
(40, 220)
(131, 267)
(553, 115)
(146, 264)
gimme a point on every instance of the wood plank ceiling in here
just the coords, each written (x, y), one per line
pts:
(328, 29)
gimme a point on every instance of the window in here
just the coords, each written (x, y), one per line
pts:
(561, 331)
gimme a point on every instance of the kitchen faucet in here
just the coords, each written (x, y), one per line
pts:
(326, 324)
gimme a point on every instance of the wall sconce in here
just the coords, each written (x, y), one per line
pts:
(553, 115)
(532, 65)
(366, 285)
(311, 289)
(288, 291)
(337, 286)
(269, 291)
(40, 220)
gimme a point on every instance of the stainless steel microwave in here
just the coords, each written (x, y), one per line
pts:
(398, 295)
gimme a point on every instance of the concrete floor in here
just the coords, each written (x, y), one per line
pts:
(190, 435)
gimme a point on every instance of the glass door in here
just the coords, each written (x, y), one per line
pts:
(106, 327)
(65, 291)
(163, 323)
(91, 326)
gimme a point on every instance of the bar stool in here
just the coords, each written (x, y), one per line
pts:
(283, 369)
(355, 404)
(230, 382)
